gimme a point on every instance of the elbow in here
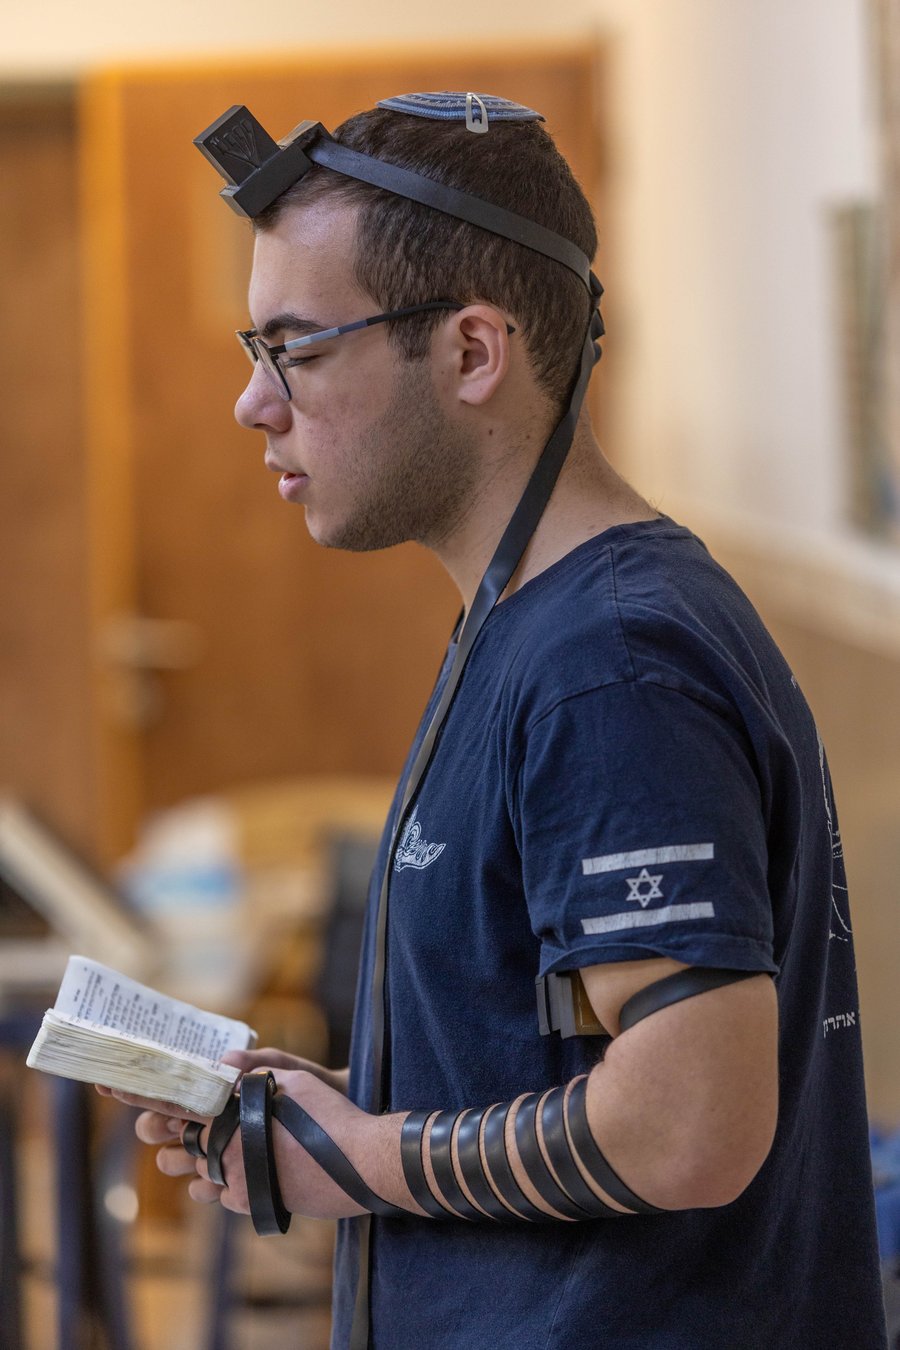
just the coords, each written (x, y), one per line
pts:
(717, 1171)
(713, 1186)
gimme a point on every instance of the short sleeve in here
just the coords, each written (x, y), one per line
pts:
(639, 821)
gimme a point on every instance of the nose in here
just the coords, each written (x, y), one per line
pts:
(260, 406)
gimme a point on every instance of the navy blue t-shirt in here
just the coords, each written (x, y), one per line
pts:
(628, 770)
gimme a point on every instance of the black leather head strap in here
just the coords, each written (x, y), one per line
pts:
(258, 169)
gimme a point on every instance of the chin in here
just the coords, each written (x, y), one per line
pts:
(361, 534)
(347, 537)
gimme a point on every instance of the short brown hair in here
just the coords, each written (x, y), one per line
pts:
(407, 253)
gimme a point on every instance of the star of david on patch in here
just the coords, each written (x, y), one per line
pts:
(644, 879)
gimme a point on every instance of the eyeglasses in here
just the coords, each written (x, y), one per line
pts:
(271, 357)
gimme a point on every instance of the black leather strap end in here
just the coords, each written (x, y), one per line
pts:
(220, 1133)
(559, 1154)
(411, 1136)
(501, 1173)
(593, 1160)
(468, 1152)
(673, 988)
(267, 1209)
(439, 1149)
(532, 1160)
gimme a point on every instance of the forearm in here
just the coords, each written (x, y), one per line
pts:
(526, 1159)
(531, 1159)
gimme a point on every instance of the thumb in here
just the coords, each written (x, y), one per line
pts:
(268, 1058)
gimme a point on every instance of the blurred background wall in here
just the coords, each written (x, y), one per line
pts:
(729, 140)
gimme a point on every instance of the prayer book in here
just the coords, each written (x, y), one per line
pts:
(106, 1028)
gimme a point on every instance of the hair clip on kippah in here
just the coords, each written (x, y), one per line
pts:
(455, 106)
(481, 125)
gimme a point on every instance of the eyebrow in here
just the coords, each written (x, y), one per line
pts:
(288, 322)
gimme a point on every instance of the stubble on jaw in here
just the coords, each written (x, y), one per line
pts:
(414, 472)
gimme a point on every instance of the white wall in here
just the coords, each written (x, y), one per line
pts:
(740, 122)
(743, 123)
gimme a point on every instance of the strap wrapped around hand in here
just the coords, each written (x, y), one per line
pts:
(267, 1209)
(220, 1132)
(259, 1102)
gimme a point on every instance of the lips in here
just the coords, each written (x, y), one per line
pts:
(291, 485)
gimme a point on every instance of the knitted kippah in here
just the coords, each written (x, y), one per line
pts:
(476, 110)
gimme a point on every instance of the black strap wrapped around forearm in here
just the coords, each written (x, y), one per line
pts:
(412, 1136)
(439, 1147)
(482, 1161)
(593, 1160)
(499, 1166)
(535, 1165)
(553, 1124)
(468, 1150)
(323, 1150)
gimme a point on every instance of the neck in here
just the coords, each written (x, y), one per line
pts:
(589, 497)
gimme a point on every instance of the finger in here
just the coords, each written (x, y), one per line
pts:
(204, 1192)
(174, 1162)
(154, 1104)
(267, 1058)
(153, 1128)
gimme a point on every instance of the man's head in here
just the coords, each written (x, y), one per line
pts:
(407, 253)
(380, 441)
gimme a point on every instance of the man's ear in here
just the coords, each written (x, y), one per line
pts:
(479, 353)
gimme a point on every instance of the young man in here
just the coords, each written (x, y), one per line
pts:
(627, 783)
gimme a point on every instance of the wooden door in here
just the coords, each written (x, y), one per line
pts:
(45, 660)
(306, 660)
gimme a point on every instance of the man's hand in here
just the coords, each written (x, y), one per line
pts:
(305, 1188)
(371, 1143)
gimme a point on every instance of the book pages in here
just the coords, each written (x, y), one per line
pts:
(106, 1028)
(95, 994)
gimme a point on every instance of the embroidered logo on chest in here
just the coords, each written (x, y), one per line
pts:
(413, 850)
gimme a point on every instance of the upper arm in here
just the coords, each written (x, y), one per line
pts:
(643, 818)
(685, 1102)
